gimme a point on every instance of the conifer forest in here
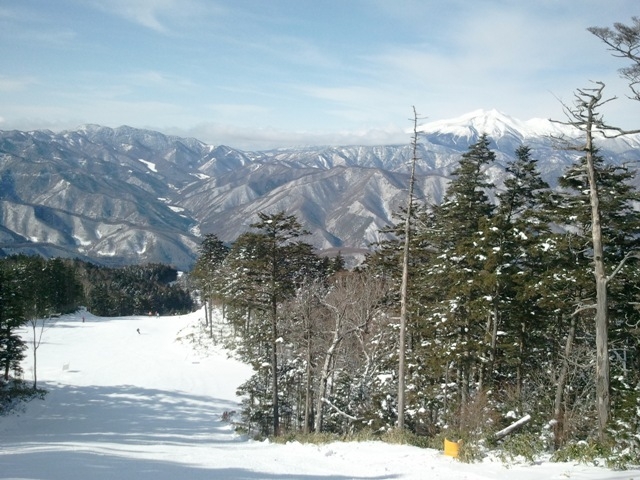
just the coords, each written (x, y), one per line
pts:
(501, 311)
(522, 300)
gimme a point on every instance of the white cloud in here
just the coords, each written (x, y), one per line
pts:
(157, 78)
(293, 74)
(157, 15)
(19, 23)
(15, 84)
(264, 138)
(237, 111)
(341, 94)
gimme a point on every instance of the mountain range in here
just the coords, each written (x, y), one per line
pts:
(124, 195)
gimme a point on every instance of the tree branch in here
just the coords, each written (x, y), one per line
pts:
(345, 414)
(631, 254)
(583, 308)
(514, 426)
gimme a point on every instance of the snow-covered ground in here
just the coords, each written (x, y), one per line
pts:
(144, 406)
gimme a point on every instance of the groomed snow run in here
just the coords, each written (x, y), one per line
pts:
(144, 406)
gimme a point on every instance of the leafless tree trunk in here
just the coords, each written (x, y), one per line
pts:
(353, 301)
(513, 427)
(274, 366)
(561, 382)
(308, 316)
(402, 343)
(307, 393)
(206, 312)
(338, 335)
(584, 116)
(519, 369)
(495, 317)
(36, 340)
(210, 308)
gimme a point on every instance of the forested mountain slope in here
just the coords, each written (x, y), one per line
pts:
(125, 195)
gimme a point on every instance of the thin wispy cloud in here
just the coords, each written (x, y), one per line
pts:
(18, 23)
(235, 111)
(15, 84)
(297, 72)
(158, 15)
(261, 138)
(159, 79)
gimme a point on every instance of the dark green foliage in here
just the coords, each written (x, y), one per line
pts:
(459, 279)
(500, 281)
(31, 288)
(569, 283)
(265, 274)
(135, 290)
(12, 317)
(15, 392)
(264, 269)
(207, 273)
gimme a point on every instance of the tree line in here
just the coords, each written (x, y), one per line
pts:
(519, 299)
(504, 300)
(522, 299)
(500, 318)
(34, 289)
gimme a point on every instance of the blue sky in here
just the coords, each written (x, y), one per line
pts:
(267, 73)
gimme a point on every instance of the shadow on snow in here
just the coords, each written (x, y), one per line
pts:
(100, 432)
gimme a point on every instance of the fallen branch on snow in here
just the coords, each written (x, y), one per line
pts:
(514, 426)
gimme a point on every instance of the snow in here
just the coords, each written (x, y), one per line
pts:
(150, 165)
(496, 124)
(142, 248)
(81, 241)
(201, 176)
(195, 231)
(148, 406)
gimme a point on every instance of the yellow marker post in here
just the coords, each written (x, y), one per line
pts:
(451, 449)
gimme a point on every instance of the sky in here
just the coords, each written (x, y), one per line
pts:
(257, 74)
(152, 409)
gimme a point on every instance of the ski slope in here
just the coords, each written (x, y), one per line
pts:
(146, 406)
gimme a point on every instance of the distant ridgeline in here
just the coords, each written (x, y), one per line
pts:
(128, 196)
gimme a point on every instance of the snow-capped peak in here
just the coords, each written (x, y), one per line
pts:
(494, 123)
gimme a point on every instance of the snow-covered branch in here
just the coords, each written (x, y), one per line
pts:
(514, 426)
(345, 414)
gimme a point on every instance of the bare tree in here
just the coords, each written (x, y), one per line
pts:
(402, 343)
(561, 382)
(307, 315)
(624, 41)
(38, 326)
(585, 116)
(353, 300)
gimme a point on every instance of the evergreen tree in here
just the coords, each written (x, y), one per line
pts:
(134, 290)
(267, 266)
(569, 286)
(207, 273)
(12, 317)
(515, 231)
(455, 319)
(475, 286)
